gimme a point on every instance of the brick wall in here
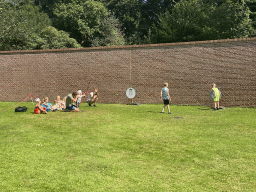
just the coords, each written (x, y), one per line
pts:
(189, 68)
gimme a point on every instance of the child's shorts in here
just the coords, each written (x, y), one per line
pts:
(166, 102)
(217, 98)
(71, 107)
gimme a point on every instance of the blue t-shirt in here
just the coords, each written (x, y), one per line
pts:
(49, 106)
(165, 93)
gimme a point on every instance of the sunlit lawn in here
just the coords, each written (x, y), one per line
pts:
(114, 147)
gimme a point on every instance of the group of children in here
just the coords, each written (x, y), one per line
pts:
(70, 103)
(165, 96)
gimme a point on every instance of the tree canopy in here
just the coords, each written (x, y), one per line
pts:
(52, 24)
(197, 20)
(89, 22)
(24, 26)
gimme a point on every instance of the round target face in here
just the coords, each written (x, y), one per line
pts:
(211, 94)
(130, 93)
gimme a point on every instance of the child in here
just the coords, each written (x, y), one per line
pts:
(58, 104)
(46, 104)
(165, 97)
(79, 98)
(216, 97)
(69, 102)
(39, 108)
(93, 98)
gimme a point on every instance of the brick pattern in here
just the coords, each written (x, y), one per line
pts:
(190, 68)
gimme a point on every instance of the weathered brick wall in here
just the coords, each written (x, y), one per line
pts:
(189, 68)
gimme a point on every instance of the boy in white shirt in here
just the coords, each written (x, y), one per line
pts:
(79, 98)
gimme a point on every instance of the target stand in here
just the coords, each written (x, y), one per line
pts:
(130, 93)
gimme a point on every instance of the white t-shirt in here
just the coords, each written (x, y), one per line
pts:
(79, 99)
(90, 96)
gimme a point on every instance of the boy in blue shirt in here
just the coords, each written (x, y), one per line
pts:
(165, 96)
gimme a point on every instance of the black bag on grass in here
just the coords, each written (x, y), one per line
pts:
(21, 109)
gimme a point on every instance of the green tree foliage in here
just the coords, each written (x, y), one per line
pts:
(88, 22)
(23, 26)
(55, 39)
(20, 25)
(231, 19)
(200, 20)
(49, 5)
(129, 13)
(151, 10)
(137, 16)
(252, 6)
(109, 33)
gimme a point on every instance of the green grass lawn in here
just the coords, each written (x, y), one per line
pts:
(114, 147)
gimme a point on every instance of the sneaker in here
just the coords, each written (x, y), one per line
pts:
(215, 109)
(90, 105)
(218, 108)
(169, 113)
(161, 112)
(94, 105)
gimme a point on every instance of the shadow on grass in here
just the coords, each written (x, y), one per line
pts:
(178, 117)
(153, 111)
(204, 109)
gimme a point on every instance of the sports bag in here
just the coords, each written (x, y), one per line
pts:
(21, 109)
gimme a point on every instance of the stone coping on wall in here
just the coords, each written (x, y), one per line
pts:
(88, 49)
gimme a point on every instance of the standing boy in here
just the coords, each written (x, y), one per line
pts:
(165, 97)
(216, 97)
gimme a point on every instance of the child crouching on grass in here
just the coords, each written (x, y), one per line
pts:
(93, 98)
(39, 108)
(165, 96)
(70, 99)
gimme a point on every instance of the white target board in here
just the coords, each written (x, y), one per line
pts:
(130, 93)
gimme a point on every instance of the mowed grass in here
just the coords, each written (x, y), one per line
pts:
(114, 147)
